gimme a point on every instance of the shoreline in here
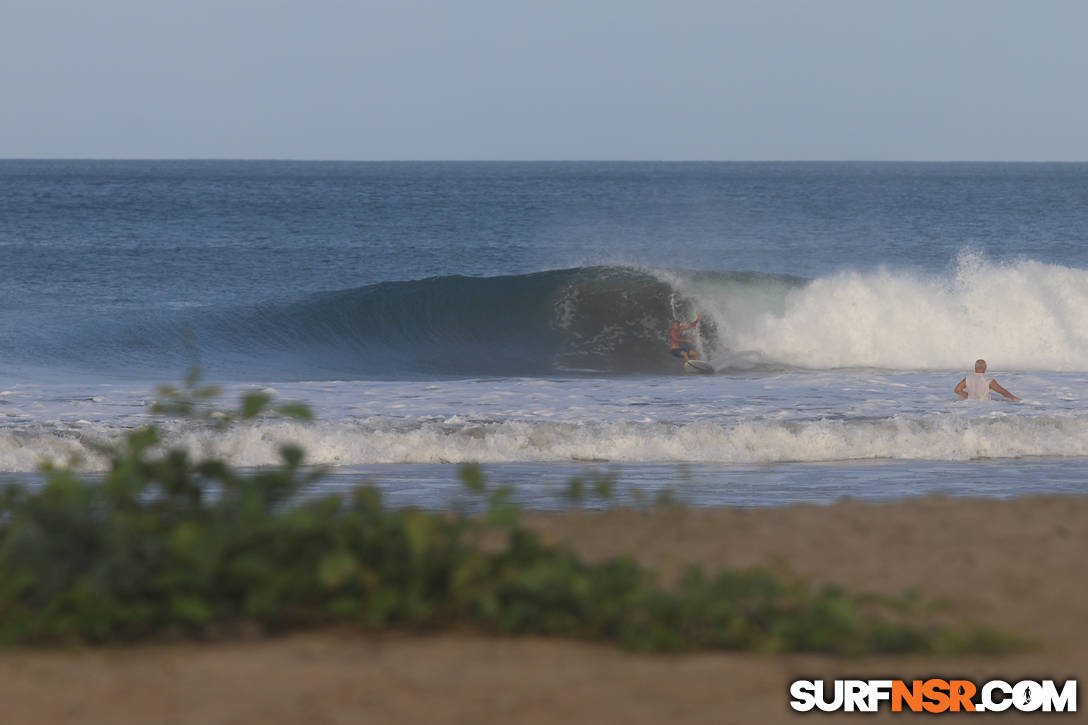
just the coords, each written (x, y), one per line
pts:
(1015, 564)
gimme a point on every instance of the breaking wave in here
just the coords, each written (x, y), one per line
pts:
(1022, 315)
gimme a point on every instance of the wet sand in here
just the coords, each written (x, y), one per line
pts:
(1018, 564)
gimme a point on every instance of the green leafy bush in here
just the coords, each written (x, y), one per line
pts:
(168, 543)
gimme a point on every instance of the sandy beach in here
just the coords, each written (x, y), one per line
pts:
(1016, 564)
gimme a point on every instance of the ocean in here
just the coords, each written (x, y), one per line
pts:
(516, 315)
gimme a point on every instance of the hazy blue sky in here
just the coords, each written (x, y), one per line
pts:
(550, 79)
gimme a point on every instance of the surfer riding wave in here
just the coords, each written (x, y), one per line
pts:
(680, 346)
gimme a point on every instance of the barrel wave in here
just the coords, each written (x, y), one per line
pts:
(600, 320)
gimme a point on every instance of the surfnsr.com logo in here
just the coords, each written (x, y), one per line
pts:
(933, 696)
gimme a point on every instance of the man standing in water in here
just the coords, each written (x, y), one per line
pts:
(977, 386)
(683, 347)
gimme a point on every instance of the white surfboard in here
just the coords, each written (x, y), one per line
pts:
(698, 366)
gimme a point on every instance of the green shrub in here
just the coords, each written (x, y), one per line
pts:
(166, 543)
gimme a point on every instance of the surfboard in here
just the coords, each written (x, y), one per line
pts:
(698, 366)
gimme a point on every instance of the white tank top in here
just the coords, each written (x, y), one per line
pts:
(978, 386)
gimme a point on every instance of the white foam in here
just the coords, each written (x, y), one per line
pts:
(1024, 315)
(797, 416)
(377, 441)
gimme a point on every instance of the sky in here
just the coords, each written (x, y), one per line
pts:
(716, 80)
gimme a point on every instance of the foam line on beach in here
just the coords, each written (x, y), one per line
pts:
(377, 441)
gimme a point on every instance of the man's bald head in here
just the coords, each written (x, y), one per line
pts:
(980, 366)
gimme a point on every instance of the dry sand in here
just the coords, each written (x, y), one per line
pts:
(1014, 564)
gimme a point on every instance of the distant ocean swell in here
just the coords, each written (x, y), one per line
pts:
(1025, 315)
(373, 441)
